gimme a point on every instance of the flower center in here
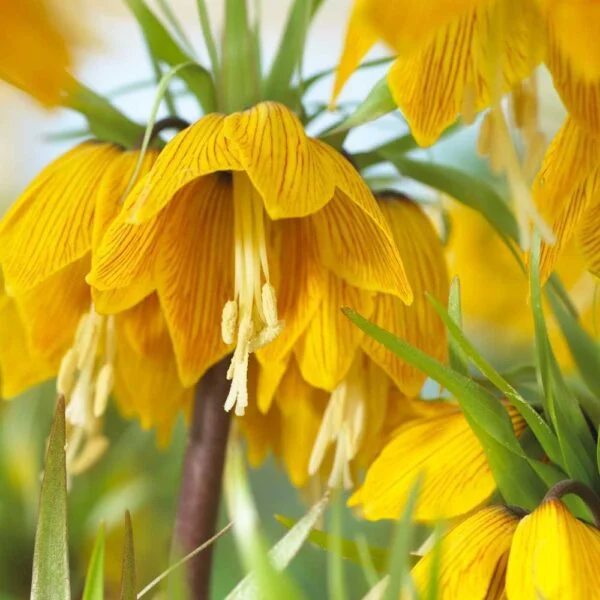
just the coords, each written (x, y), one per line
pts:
(342, 425)
(86, 379)
(249, 321)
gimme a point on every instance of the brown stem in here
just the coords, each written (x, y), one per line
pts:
(162, 124)
(570, 486)
(200, 493)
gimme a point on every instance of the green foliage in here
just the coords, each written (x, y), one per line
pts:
(51, 556)
(94, 581)
(128, 578)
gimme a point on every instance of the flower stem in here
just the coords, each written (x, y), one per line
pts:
(570, 486)
(203, 463)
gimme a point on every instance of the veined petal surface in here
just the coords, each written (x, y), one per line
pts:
(553, 556)
(50, 225)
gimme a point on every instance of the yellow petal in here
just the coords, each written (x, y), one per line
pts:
(110, 201)
(302, 407)
(358, 248)
(418, 324)
(194, 272)
(564, 186)
(289, 170)
(553, 556)
(50, 225)
(442, 448)
(33, 52)
(268, 379)
(20, 369)
(299, 279)
(327, 349)
(147, 388)
(360, 37)
(51, 311)
(452, 72)
(473, 557)
(196, 151)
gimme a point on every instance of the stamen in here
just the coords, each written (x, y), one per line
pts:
(343, 425)
(67, 373)
(254, 309)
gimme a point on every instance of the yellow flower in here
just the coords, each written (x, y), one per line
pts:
(497, 553)
(436, 442)
(338, 393)
(498, 309)
(46, 240)
(33, 52)
(458, 57)
(235, 208)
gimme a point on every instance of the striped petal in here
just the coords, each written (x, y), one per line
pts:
(299, 280)
(194, 272)
(33, 52)
(199, 150)
(327, 349)
(553, 556)
(440, 446)
(473, 557)
(419, 324)
(51, 311)
(451, 74)
(268, 379)
(146, 388)
(564, 186)
(50, 225)
(20, 369)
(289, 170)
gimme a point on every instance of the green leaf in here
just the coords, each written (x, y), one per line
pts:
(289, 55)
(167, 51)
(105, 121)
(584, 349)
(348, 548)
(536, 423)
(94, 581)
(50, 579)
(462, 186)
(209, 39)
(399, 565)
(577, 445)
(128, 578)
(458, 359)
(378, 103)
(336, 577)
(485, 414)
(240, 79)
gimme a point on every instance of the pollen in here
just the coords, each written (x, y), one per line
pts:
(250, 320)
(343, 426)
(86, 379)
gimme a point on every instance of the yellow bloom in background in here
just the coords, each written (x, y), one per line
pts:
(46, 240)
(33, 51)
(235, 208)
(337, 394)
(436, 442)
(494, 289)
(499, 553)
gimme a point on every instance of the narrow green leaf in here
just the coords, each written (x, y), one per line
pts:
(583, 347)
(50, 579)
(67, 135)
(577, 445)
(336, 576)
(289, 54)
(485, 414)
(175, 25)
(167, 51)
(348, 548)
(458, 359)
(209, 38)
(462, 186)
(536, 423)
(105, 121)
(240, 79)
(128, 577)
(399, 565)
(378, 103)
(94, 581)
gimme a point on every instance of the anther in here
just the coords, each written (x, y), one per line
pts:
(229, 321)
(103, 388)
(67, 373)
